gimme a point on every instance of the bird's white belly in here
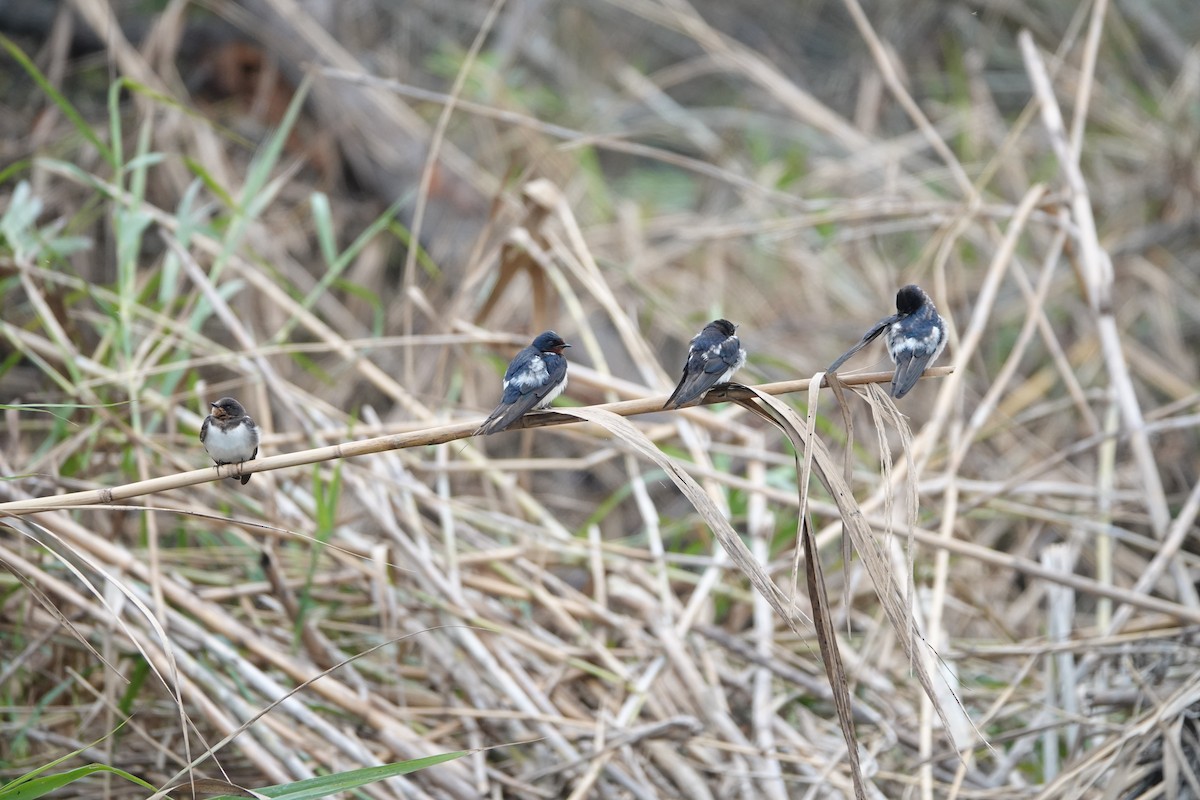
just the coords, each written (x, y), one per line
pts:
(232, 446)
(553, 393)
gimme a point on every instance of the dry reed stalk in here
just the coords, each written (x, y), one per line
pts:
(1098, 279)
(441, 434)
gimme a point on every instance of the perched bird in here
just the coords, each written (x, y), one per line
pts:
(713, 356)
(534, 377)
(916, 336)
(229, 435)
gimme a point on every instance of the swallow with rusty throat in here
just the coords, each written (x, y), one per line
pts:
(714, 354)
(916, 336)
(229, 436)
(534, 377)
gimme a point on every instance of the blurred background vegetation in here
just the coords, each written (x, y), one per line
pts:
(350, 213)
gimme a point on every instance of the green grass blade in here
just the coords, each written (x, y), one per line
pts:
(323, 221)
(64, 105)
(327, 785)
(44, 785)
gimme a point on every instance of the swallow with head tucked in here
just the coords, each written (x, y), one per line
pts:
(230, 436)
(534, 377)
(714, 354)
(916, 336)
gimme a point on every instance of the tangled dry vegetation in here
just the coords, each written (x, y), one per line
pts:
(217, 200)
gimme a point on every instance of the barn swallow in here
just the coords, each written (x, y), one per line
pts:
(536, 376)
(229, 436)
(916, 336)
(713, 356)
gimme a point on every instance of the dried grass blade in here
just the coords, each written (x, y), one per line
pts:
(854, 524)
(847, 461)
(704, 505)
(839, 393)
(835, 670)
(832, 658)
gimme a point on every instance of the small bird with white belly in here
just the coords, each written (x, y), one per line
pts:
(916, 336)
(229, 435)
(535, 376)
(714, 354)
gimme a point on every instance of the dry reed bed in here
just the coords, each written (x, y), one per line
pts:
(550, 598)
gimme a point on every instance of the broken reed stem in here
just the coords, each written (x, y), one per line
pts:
(419, 438)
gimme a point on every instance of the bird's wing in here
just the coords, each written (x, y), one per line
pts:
(255, 433)
(909, 368)
(867, 338)
(730, 356)
(704, 369)
(246, 478)
(682, 391)
(529, 375)
(204, 428)
(525, 385)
